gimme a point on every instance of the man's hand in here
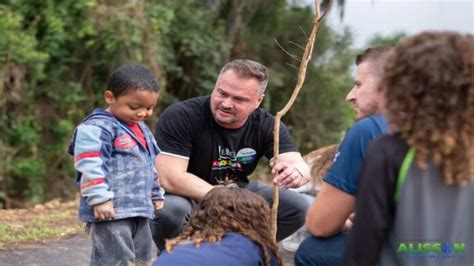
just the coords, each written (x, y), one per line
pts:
(159, 204)
(104, 211)
(349, 222)
(286, 175)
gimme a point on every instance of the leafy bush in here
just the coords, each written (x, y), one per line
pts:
(55, 57)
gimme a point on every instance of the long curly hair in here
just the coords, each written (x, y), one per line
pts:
(229, 209)
(428, 84)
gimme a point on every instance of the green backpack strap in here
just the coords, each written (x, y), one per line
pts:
(403, 172)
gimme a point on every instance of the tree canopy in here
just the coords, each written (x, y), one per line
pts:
(55, 57)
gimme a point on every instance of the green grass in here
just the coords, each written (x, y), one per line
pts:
(35, 227)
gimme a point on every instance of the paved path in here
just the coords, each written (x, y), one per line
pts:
(74, 251)
(71, 251)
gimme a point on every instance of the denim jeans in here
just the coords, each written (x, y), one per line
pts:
(170, 221)
(121, 242)
(318, 251)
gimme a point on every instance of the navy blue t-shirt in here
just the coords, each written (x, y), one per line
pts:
(233, 250)
(344, 173)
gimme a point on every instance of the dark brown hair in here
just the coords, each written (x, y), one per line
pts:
(377, 56)
(430, 100)
(131, 77)
(226, 209)
(374, 53)
(246, 68)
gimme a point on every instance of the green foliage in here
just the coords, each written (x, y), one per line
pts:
(55, 57)
(24, 133)
(17, 44)
(393, 38)
(32, 171)
(194, 46)
(320, 114)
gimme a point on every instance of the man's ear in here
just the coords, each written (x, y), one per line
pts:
(259, 100)
(109, 97)
(382, 99)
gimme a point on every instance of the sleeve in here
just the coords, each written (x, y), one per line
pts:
(344, 172)
(174, 132)
(91, 153)
(157, 193)
(375, 206)
(285, 142)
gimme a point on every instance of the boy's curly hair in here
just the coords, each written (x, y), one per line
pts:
(428, 84)
(226, 209)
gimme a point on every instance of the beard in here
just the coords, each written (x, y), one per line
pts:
(369, 109)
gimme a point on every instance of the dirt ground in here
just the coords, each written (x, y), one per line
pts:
(40, 224)
(42, 235)
(46, 234)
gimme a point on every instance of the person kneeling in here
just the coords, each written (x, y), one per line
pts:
(230, 226)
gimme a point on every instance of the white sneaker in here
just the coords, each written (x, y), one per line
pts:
(292, 242)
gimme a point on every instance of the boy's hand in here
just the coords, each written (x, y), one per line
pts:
(158, 204)
(104, 211)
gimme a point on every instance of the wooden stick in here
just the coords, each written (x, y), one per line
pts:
(301, 77)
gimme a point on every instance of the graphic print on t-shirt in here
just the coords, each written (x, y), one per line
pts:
(228, 166)
(246, 155)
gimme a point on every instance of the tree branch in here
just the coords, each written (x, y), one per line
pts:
(301, 77)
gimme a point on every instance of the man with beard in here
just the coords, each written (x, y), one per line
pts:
(218, 140)
(332, 211)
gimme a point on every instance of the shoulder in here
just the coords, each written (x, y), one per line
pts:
(388, 151)
(98, 118)
(193, 106)
(391, 145)
(184, 115)
(237, 241)
(237, 237)
(262, 116)
(366, 130)
(373, 123)
(384, 158)
(264, 120)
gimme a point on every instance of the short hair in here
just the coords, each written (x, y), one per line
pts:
(377, 55)
(246, 68)
(430, 96)
(131, 77)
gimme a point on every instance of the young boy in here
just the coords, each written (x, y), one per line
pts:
(114, 154)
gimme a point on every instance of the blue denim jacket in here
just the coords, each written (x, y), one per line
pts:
(111, 164)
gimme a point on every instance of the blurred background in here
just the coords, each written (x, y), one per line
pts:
(55, 58)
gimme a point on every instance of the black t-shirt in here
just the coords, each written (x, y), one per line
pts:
(375, 210)
(216, 154)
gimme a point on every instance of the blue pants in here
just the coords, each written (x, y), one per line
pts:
(121, 242)
(318, 251)
(171, 219)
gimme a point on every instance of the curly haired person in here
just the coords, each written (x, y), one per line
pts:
(230, 226)
(416, 203)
